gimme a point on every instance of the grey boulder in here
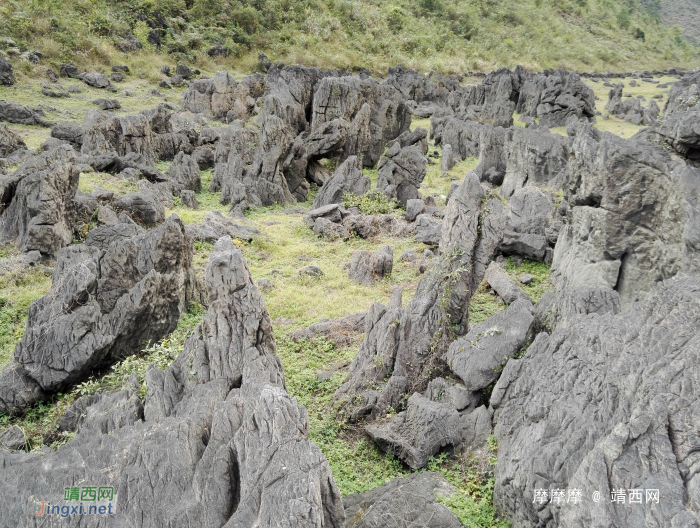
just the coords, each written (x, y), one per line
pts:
(369, 266)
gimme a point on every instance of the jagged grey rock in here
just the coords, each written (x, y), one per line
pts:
(413, 339)
(106, 302)
(143, 207)
(289, 92)
(340, 331)
(612, 409)
(554, 97)
(419, 432)
(9, 141)
(631, 109)
(7, 77)
(614, 186)
(189, 199)
(428, 229)
(401, 173)
(330, 212)
(477, 356)
(563, 307)
(369, 266)
(37, 208)
(452, 393)
(183, 174)
(534, 158)
(96, 80)
(530, 223)
(219, 434)
(403, 503)
(222, 94)
(345, 97)
(22, 115)
(69, 131)
(347, 178)
(12, 438)
(448, 160)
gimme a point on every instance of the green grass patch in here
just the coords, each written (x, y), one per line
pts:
(17, 291)
(90, 181)
(540, 272)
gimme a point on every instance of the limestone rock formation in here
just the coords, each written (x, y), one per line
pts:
(220, 443)
(613, 409)
(36, 202)
(369, 266)
(347, 178)
(110, 296)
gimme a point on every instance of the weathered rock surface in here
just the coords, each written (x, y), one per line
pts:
(22, 115)
(631, 109)
(678, 126)
(289, 94)
(554, 97)
(401, 172)
(434, 317)
(219, 435)
(12, 438)
(503, 285)
(340, 331)
(183, 174)
(613, 409)
(428, 230)
(7, 77)
(36, 202)
(419, 432)
(143, 207)
(403, 503)
(110, 296)
(347, 178)
(566, 305)
(535, 158)
(633, 216)
(369, 266)
(96, 80)
(222, 95)
(530, 224)
(9, 141)
(264, 182)
(477, 357)
(345, 97)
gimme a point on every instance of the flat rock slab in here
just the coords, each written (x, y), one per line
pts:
(407, 502)
(477, 357)
(419, 432)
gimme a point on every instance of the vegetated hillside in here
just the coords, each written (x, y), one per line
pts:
(442, 35)
(682, 13)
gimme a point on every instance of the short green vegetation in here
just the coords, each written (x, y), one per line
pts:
(485, 303)
(457, 36)
(372, 202)
(17, 291)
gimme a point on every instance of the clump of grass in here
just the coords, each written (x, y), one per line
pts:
(372, 202)
(540, 272)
